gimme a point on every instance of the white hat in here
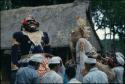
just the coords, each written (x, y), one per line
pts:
(120, 58)
(54, 60)
(58, 58)
(37, 58)
(90, 61)
(120, 54)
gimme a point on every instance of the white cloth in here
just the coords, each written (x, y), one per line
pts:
(37, 58)
(87, 45)
(90, 61)
(120, 54)
(120, 58)
(35, 37)
(80, 55)
(54, 60)
(80, 66)
(118, 71)
(52, 77)
(73, 80)
(61, 71)
(95, 76)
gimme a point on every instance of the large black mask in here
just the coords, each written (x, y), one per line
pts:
(29, 24)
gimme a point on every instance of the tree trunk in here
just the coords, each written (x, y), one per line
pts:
(89, 18)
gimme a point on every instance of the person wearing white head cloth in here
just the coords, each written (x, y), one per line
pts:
(61, 71)
(52, 76)
(119, 69)
(94, 75)
(29, 74)
(82, 47)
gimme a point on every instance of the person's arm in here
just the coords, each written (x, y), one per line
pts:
(46, 46)
(15, 49)
(45, 38)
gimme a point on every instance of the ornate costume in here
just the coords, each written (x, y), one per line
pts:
(81, 45)
(29, 41)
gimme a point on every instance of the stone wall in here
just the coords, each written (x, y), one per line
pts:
(57, 20)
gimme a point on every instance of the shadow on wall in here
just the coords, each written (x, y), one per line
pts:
(63, 52)
(5, 70)
(22, 3)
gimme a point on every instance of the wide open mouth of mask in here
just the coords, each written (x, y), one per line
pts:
(32, 26)
(32, 23)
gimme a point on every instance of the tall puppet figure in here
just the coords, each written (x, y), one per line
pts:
(30, 40)
(81, 45)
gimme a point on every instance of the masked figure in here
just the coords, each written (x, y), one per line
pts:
(82, 31)
(81, 46)
(30, 40)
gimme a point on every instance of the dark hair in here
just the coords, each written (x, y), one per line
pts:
(99, 57)
(91, 65)
(70, 72)
(89, 54)
(52, 66)
(35, 64)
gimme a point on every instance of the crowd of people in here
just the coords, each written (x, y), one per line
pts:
(33, 63)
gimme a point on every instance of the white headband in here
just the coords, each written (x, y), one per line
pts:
(54, 60)
(90, 61)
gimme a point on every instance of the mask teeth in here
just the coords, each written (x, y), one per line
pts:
(32, 26)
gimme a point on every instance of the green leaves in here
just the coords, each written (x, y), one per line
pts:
(113, 15)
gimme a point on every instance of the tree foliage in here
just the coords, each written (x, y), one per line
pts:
(113, 15)
(10, 4)
(5, 4)
(110, 14)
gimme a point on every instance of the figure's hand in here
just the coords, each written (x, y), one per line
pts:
(13, 66)
(14, 42)
(81, 46)
(43, 68)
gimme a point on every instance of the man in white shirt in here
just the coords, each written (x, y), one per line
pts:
(119, 69)
(52, 76)
(94, 75)
(29, 74)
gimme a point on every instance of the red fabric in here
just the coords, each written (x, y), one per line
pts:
(24, 22)
(111, 62)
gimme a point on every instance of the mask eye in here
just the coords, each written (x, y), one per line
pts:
(31, 21)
